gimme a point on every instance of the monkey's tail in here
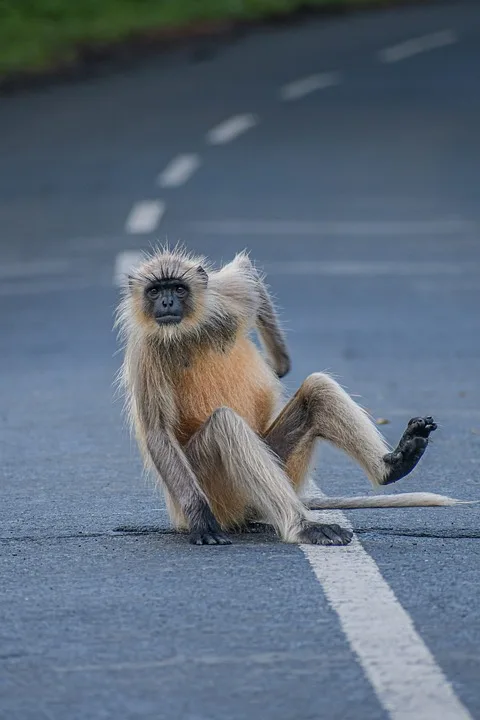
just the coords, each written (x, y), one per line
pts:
(403, 500)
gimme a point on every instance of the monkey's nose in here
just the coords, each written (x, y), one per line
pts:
(167, 302)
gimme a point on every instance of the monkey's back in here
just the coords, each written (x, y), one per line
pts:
(239, 379)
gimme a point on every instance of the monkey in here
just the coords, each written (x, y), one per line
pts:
(207, 409)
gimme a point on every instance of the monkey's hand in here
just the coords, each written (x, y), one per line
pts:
(177, 474)
(207, 531)
(409, 450)
(282, 363)
(199, 537)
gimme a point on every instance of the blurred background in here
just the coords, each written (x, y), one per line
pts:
(339, 143)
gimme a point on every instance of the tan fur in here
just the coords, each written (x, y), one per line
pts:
(299, 462)
(207, 385)
(236, 478)
(340, 420)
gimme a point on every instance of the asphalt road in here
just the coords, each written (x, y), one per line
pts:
(361, 201)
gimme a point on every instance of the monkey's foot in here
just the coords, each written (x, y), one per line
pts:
(409, 450)
(320, 534)
(201, 537)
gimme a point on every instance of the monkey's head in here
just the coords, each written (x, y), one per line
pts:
(167, 294)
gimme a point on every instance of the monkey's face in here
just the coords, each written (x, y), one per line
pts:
(168, 302)
(167, 295)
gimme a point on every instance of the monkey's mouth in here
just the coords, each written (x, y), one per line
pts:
(168, 319)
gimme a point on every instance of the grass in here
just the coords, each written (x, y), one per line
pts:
(36, 35)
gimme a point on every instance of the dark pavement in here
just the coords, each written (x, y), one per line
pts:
(361, 201)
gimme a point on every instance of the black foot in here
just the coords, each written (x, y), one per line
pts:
(319, 534)
(208, 538)
(410, 449)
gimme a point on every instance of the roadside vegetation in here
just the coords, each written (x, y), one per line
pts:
(38, 35)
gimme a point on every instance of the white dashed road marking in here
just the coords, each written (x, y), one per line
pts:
(417, 45)
(230, 129)
(179, 170)
(304, 86)
(402, 671)
(145, 216)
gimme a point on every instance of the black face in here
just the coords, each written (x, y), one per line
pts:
(168, 300)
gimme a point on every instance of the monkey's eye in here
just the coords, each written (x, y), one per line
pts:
(153, 293)
(181, 291)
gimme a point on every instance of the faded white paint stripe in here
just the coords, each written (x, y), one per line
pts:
(417, 45)
(44, 286)
(125, 262)
(34, 268)
(446, 412)
(179, 170)
(127, 259)
(145, 216)
(401, 669)
(353, 228)
(350, 228)
(304, 86)
(230, 129)
(370, 269)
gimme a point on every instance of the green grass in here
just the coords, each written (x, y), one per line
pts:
(39, 34)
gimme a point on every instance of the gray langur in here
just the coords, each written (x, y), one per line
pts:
(204, 404)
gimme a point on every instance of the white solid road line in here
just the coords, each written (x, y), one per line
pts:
(125, 262)
(306, 85)
(402, 671)
(179, 170)
(368, 228)
(417, 45)
(145, 216)
(230, 129)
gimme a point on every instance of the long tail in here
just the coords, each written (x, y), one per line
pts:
(403, 500)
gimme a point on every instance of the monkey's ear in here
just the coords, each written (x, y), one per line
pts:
(130, 280)
(202, 273)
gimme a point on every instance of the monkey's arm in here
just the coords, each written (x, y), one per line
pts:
(270, 331)
(242, 284)
(179, 478)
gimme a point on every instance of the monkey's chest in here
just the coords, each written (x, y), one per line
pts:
(238, 380)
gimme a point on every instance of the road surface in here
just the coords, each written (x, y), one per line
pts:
(344, 154)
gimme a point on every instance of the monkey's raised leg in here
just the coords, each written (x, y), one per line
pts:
(322, 409)
(237, 471)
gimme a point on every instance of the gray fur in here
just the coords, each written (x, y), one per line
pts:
(267, 321)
